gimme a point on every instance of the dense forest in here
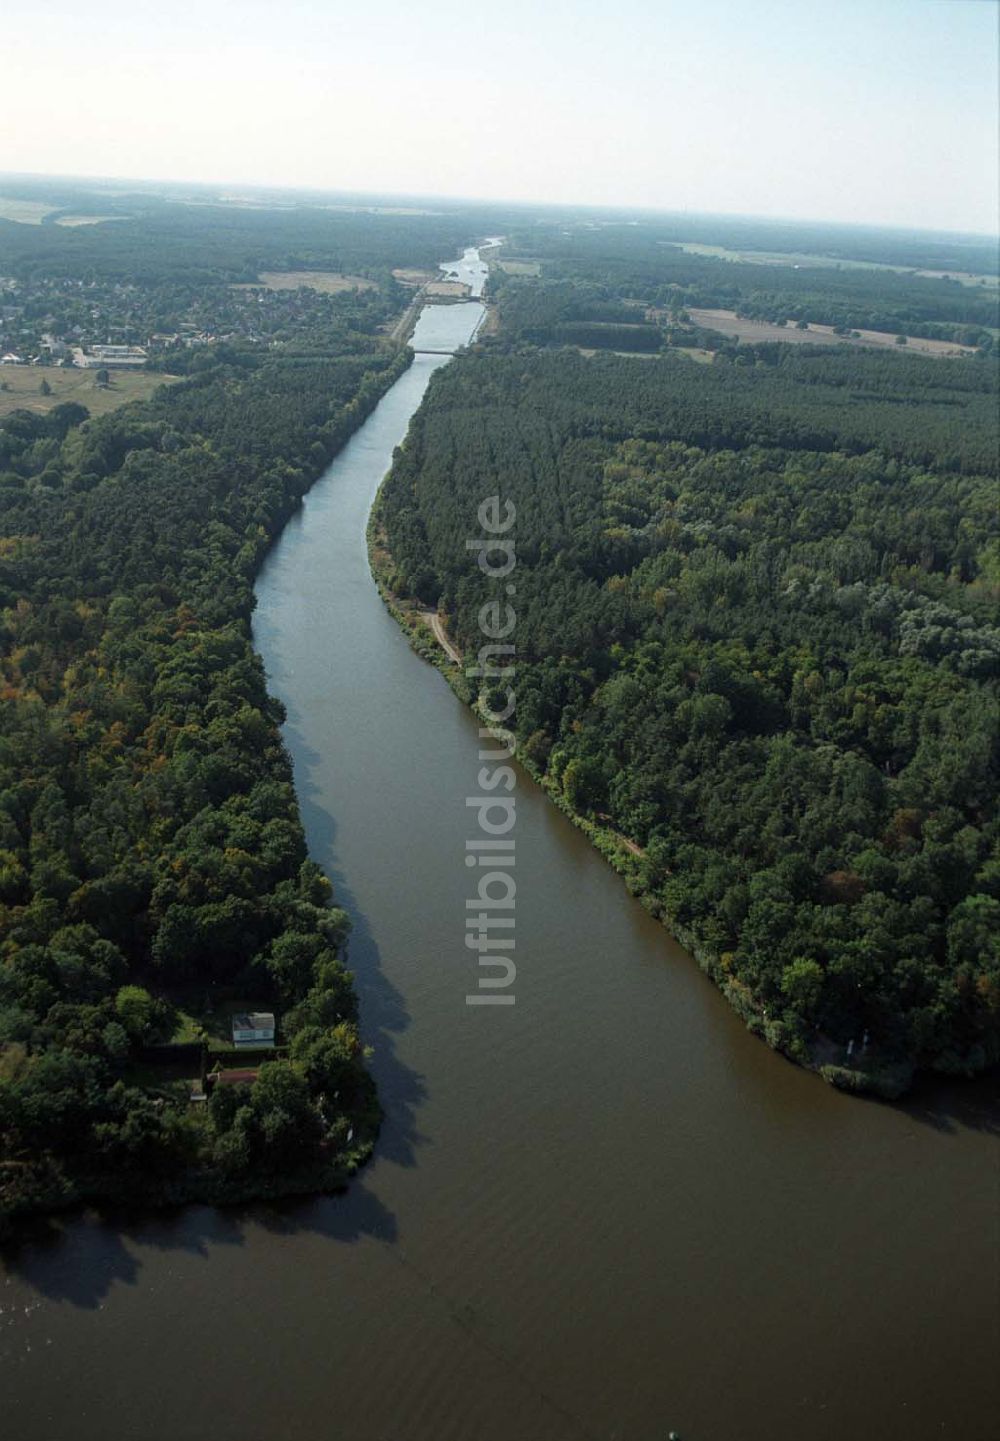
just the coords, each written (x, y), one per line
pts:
(152, 859)
(643, 265)
(156, 242)
(847, 244)
(756, 636)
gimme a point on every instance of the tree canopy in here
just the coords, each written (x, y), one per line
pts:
(756, 635)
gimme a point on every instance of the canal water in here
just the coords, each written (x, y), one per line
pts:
(470, 270)
(603, 1212)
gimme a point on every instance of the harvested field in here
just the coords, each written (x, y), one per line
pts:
(325, 281)
(727, 322)
(25, 212)
(71, 221)
(412, 277)
(449, 289)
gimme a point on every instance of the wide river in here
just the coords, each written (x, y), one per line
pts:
(604, 1212)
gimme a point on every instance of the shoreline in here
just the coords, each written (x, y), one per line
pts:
(199, 1184)
(889, 1081)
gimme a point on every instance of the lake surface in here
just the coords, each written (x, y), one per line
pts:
(604, 1212)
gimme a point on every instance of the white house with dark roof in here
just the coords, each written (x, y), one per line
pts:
(253, 1029)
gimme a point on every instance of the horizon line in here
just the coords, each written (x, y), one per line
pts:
(471, 200)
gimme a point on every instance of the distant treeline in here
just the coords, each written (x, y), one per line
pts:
(616, 263)
(876, 245)
(158, 241)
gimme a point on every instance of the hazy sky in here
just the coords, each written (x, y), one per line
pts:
(866, 110)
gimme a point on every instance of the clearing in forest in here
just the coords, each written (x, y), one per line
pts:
(20, 388)
(25, 212)
(727, 322)
(328, 282)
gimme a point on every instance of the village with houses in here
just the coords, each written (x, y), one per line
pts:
(101, 325)
(66, 323)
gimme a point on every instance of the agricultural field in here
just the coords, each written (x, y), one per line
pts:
(448, 289)
(407, 276)
(24, 212)
(727, 322)
(20, 388)
(327, 282)
(72, 221)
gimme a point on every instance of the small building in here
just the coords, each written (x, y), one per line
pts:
(253, 1029)
(109, 353)
(110, 357)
